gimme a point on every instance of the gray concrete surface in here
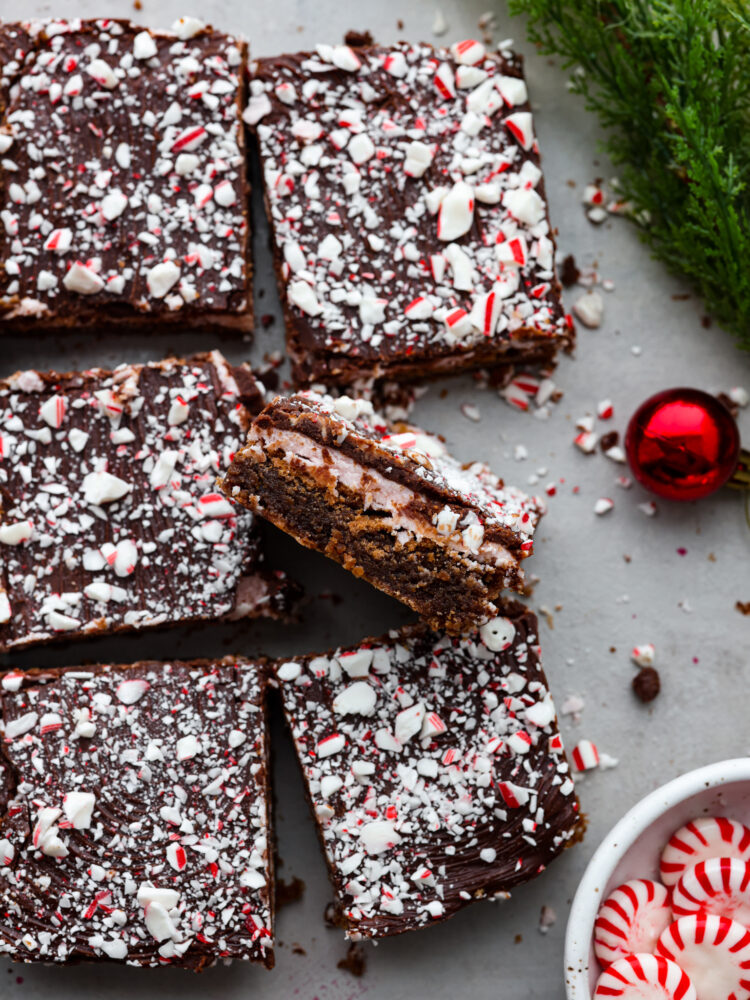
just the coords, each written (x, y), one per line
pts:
(684, 604)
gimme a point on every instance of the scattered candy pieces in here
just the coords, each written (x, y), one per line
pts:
(643, 655)
(585, 755)
(589, 309)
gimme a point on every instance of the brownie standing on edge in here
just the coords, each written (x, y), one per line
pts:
(388, 503)
(409, 218)
(109, 515)
(434, 768)
(134, 815)
(123, 190)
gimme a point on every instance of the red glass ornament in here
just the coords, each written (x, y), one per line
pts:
(682, 444)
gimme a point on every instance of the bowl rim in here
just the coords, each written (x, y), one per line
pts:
(613, 847)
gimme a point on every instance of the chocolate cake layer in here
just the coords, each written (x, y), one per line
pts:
(388, 503)
(134, 815)
(434, 767)
(123, 184)
(109, 515)
(410, 224)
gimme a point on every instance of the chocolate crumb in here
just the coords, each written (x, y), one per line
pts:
(354, 961)
(518, 939)
(613, 649)
(729, 403)
(266, 320)
(706, 322)
(400, 24)
(297, 949)
(743, 607)
(137, 5)
(569, 273)
(609, 440)
(647, 684)
(289, 892)
(331, 915)
(358, 39)
(681, 297)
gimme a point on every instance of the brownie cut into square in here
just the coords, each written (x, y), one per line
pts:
(135, 816)
(109, 514)
(123, 179)
(388, 502)
(434, 768)
(410, 225)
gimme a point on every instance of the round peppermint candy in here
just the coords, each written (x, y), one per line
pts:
(704, 838)
(644, 977)
(713, 951)
(719, 885)
(631, 920)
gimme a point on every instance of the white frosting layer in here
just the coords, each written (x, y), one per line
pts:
(455, 529)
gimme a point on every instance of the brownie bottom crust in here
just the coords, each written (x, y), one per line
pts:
(448, 589)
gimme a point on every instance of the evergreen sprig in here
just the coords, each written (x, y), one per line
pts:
(670, 82)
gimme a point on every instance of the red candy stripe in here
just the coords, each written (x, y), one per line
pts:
(713, 951)
(631, 920)
(718, 885)
(645, 977)
(704, 838)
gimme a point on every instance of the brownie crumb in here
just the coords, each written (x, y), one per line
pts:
(358, 39)
(647, 684)
(354, 961)
(137, 5)
(743, 607)
(609, 440)
(297, 949)
(266, 320)
(331, 915)
(730, 404)
(289, 892)
(569, 273)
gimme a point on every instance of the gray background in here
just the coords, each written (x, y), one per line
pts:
(683, 604)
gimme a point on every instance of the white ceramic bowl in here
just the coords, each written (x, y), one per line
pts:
(632, 849)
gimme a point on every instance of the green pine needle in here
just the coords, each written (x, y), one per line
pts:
(670, 82)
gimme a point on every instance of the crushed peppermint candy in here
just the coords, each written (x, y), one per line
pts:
(123, 190)
(106, 521)
(154, 859)
(453, 786)
(433, 197)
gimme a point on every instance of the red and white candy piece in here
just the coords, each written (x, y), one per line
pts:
(704, 838)
(713, 951)
(644, 977)
(719, 885)
(585, 755)
(631, 920)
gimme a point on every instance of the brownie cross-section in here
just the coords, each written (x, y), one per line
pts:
(388, 502)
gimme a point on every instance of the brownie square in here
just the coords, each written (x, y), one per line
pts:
(410, 224)
(434, 768)
(387, 502)
(134, 815)
(123, 194)
(109, 515)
